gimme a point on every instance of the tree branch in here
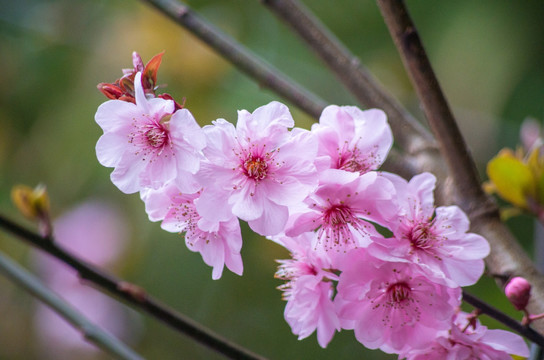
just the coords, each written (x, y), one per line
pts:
(452, 145)
(424, 152)
(507, 258)
(139, 299)
(132, 294)
(90, 331)
(249, 63)
(491, 311)
(409, 134)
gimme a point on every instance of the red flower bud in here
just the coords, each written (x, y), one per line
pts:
(518, 291)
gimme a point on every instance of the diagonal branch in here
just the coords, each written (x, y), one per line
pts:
(137, 297)
(266, 75)
(489, 310)
(452, 145)
(90, 331)
(409, 134)
(423, 149)
(132, 294)
(507, 258)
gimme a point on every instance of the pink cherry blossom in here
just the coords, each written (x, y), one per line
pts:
(308, 289)
(354, 140)
(259, 169)
(471, 343)
(339, 207)
(219, 243)
(147, 143)
(392, 306)
(530, 134)
(437, 240)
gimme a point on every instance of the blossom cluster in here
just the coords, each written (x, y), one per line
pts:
(369, 250)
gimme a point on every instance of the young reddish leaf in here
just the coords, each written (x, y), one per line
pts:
(112, 91)
(151, 68)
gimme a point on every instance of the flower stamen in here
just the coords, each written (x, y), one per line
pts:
(255, 168)
(156, 137)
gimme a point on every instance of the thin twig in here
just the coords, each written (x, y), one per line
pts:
(90, 331)
(494, 313)
(266, 75)
(409, 134)
(507, 258)
(132, 294)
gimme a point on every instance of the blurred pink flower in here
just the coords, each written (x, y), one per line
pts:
(219, 243)
(148, 143)
(434, 239)
(392, 306)
(477, 343)
(353, 140)
(530, 134)
(259, 169)
(339, 207)
(308, 289)
(95, 232)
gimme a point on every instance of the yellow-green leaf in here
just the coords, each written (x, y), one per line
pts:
(513, 179)
(32, 203)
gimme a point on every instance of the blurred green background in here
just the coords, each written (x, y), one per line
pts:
(488, 55)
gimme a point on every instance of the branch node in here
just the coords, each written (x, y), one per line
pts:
(183, 10)
(134, 291)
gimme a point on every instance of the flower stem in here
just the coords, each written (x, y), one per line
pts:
(90, 331)
(131, 294)
(266, 75)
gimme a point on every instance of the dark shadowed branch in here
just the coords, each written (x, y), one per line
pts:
(131, 294)
(90, 331)
(409, 134)
(491, 311)
(249, 63)
(452, 145)
(507, 258)
(137, 298)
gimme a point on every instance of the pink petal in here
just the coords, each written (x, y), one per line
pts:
(451, 221)
(126, 176)
(110, 148)
(337, 118)
(274, 114)
(506, 341)
(422, 186)
(247, 202)
(272, 220)
(213, 205)
(185, 129)
(115, 114)
(309, 221)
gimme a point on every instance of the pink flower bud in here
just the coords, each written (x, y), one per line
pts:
(137, 62)
(518, 291)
